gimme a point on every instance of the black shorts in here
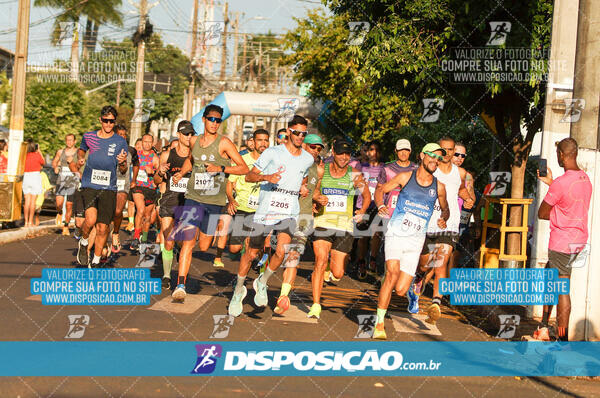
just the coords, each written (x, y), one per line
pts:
(341, 241)
(77, 200)
(369, 216)
(448, 238)
(104, 201)
(241, 227)
(563, 262)
(168, 202)
(149, 194)
(261, 231)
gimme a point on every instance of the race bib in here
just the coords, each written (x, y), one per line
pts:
(121, 185)
(253, 202)
(336, 203)
(66, 171)
(465, 217)
(372, 186)
(142, 176)
(100, 177)
(413, 224)
(280, 203)
(181, 186)
(204, 181)
(393, 201)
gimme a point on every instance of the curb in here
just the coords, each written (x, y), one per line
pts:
(26, 233)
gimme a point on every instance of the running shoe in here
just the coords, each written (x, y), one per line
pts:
(379, 332)
(82, 254)
(260, 297)
(315, 311)
(236, 305)
(413, 301)
(418, 287)
(434, 313)
(283, 304)
(372, 268)
(218, 264)
(179, 293)
(77, 233)
(362, 270)
(135, 244)
(263, 263)
(103, 262)
(542, 333)
(326, 276)
(65, 231)
(58, 220)
(130, 227)
(166, 282)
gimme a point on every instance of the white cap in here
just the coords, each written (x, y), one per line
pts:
(403, 143)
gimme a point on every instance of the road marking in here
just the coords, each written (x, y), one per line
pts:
(192, 303)
(413, 323)
(35, 297)
(296, 313)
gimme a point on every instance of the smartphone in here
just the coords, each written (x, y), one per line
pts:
(543, 167)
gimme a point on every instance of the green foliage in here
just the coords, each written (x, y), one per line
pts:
(5, 88)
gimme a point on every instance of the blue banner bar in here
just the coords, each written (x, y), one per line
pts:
(311, 358)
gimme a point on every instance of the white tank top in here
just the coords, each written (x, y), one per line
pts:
(452, 182)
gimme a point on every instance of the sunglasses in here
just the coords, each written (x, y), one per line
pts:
(186, 133)
(315, 146)
(214, 119)
(282, 137)
(434, 155)
(105, 120)
(298, 132)
(460, 155)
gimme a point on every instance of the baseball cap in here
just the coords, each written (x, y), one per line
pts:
(185, 126)
(342, 146)
(432, 147)
(403, 143)
(313, 139)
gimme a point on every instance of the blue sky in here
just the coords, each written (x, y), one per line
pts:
(172, 18)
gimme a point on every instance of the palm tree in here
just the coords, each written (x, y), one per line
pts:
(96, 11)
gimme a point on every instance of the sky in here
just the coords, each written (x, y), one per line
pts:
(171, 18)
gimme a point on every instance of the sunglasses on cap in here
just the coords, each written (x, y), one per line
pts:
(105, 120)
(434, 155)
(214, 119)
(298, 132)
(460, 155)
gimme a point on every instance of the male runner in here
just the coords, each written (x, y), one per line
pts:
(313, 144)
(144, 193)
(205, 197)
(124, 184)
(245, 203)
(334, 222)
(99, 181)
(282, 136)
(130, 204)
(171, 162)
(67, 182)
(440, 242)
(420, 190)
(283, 169)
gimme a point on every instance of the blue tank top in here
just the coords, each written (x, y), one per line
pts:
(414, 208)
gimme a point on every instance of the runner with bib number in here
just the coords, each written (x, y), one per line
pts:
(66, 183)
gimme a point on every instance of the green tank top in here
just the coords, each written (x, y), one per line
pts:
(340, 194)
(306, 203)
(206, 187)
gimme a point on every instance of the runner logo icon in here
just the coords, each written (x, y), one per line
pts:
(207, 358)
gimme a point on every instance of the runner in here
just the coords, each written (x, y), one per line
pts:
(419, 192)
(124, 185)
(130, 203)
(282, 136)
(313, 145)
(205, 197)
(99, 182)
(144, 192)
(171, 162)
(371, 170)
(245, 203)
(334, 222)
(66, 183)
(284, 170)
(440, 242)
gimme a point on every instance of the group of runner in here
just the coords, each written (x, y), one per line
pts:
(273, 200)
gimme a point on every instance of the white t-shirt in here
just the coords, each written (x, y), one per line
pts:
(452, 182)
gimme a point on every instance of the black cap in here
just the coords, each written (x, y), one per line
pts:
(342, 146)
(185, 126)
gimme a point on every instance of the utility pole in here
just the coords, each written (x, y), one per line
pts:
(118, 93)
(17, 117)
(236, 42)
(192, 86)
(224, 48)
(244, 61)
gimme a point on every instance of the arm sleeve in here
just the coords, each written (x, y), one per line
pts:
(554, 194)
(264, 159)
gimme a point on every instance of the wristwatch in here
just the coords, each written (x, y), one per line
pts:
(223, 169)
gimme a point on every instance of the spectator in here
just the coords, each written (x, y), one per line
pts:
(566, 205)
(250, 143)
(281, 136)
(32, 180)
(3, 156)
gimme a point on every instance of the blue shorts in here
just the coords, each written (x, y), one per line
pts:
(196, 214)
